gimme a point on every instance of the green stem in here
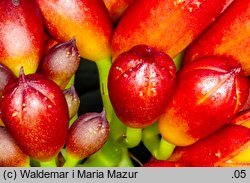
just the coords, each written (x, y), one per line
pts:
(133, 137)
(71, 82)
(165, 149)
(72, 120)
(157, 146)
(34, 163)
(49, 163)
(103, 67)
(108, 156)
(124, 135)
(70, 161)
(117, 128)
(125, 159)
(178, 61)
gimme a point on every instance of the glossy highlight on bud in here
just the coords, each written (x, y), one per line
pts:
(166, 25)
(140, 83)
(87, 135)
(228, 35)
(87, 20)
(61, 62)
(35, 112)
(216, 149)
(22, 35)
(11, 154)
(209, 93)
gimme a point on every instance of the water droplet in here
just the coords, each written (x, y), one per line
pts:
(49, 106)
(103, 130)
(14, 114)
(153, 83)
(141, 94)
(153, 90)
(188, 5)
(119, 69)
(51, 95)
(229, 161)
(218, 154)
(24, 109)
(198, 4)
(177, 2)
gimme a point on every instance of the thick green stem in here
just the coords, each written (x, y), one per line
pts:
(157, 146)
(133, 136)
(70, 161)
(124, 135)
(103, 67)
(50, 163)
(125, 159)
(108, 156)
(117, 129)
(165, 149)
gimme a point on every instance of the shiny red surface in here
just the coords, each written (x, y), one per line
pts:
(167, 25)
(229, 35)
(22, 36)
(140, 84)
(35, 112)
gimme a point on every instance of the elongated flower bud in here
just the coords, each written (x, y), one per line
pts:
(11, 154)
(61, 62)
(209, 93)
(87, 135)
(73, 101)
(35, 112)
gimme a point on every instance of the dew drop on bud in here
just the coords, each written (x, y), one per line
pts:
(87, 135)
